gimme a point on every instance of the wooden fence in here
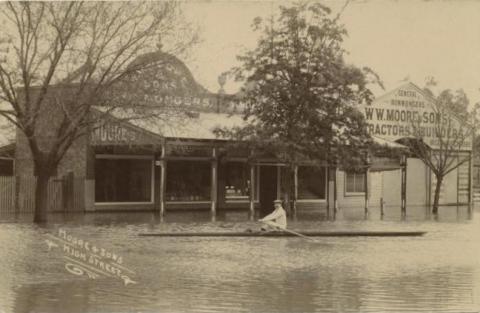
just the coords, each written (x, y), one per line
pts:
(17, 194)
(7, 193)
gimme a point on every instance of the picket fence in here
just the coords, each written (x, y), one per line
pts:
(17, 194)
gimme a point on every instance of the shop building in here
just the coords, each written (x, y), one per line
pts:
(187, 167)
(181, 164)
(389, 118)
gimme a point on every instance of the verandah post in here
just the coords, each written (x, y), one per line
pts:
(366, 190)
(162, 180)
(279, 183)
(252, 191)
(327, 173)
(295, 189)
(404, 185)
(470, 183)
(335, 202)
(367, 171)
(213, 208)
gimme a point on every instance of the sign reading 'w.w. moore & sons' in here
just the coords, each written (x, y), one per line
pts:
(407, 112)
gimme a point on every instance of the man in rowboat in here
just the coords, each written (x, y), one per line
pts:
(278, 217)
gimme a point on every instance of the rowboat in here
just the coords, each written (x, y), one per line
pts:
(288, 234)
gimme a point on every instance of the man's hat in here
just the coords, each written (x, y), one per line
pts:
(277, 201)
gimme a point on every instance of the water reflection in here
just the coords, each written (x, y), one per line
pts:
(440, 271)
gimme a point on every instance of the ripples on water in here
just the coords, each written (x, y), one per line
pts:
(437, 272)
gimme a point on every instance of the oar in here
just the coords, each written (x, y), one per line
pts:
(288, 230)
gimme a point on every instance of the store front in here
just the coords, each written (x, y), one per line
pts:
(235, 184)
(124, 179)
(393, 118)
(187, 174)
(188, 181)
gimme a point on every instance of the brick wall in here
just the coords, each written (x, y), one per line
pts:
(46, 127)
(74, 160)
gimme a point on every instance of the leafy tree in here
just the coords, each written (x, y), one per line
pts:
(300, 94)
(442, 145)
(59, 59)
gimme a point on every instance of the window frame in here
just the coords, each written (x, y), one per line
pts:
(131, 157)
(203, 160)
(246, 199)
(354, 193)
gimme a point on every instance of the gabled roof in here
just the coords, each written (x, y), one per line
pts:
(7, 151)
(405, 86)
(145, 136)
(7, 132)
(200, 127)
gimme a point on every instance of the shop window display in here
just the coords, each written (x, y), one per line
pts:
(237, 181)
(123, 180)
(188, 181)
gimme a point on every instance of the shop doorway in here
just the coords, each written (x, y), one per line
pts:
(268, 188)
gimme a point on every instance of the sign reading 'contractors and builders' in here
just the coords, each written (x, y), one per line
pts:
(407, 112)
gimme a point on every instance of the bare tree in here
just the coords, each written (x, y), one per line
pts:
(60, 59)
(442, 137)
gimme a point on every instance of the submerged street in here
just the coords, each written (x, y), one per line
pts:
(437, 272)
(123, 122)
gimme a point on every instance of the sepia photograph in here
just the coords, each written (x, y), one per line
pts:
(263, 156)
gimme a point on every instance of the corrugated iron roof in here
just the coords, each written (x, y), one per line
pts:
(199, 125)
(388, 143)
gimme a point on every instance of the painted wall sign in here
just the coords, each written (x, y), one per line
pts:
(206, 102)
(189, 150)
(398, 113)
(113, 133)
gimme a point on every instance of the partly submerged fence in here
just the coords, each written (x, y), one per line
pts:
(17, 194)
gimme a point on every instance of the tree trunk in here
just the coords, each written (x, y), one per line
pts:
(436, 197)
(41, 193)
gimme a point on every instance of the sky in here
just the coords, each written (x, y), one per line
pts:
(399, 40)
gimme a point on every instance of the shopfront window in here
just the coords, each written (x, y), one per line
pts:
(237, 181)
(354, 182)
(188, 181)
(123, 180)
(311, 183)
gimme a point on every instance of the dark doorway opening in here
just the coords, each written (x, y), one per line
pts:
(268, 188)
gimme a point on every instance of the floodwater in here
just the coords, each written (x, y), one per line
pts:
(437, 272)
